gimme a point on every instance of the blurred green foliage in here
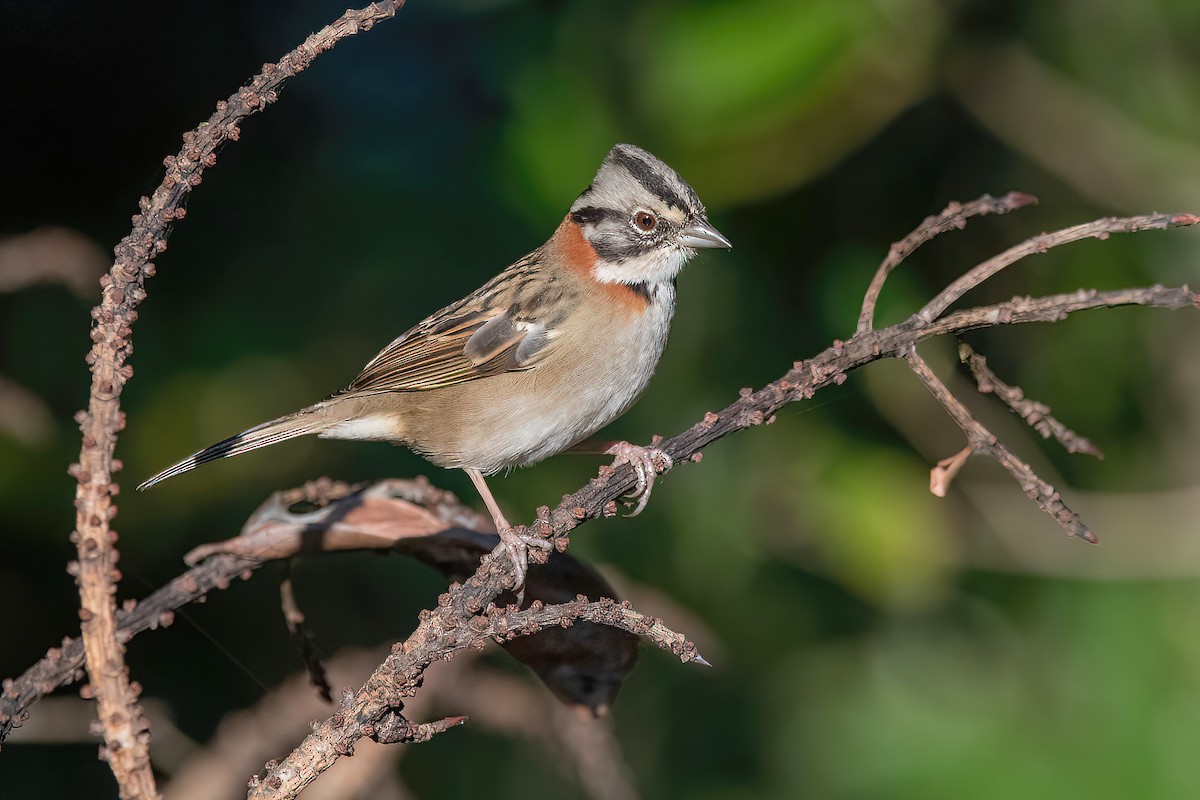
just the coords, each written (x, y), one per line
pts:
(870, 640)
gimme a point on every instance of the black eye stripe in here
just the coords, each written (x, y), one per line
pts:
(590, 215)
(619, 251)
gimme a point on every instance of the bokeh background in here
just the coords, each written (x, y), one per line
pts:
(869, 639)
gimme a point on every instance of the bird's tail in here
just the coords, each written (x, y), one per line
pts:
(310, 420)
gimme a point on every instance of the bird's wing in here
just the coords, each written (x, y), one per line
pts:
(510, 324)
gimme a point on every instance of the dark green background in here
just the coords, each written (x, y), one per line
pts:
(870, 640)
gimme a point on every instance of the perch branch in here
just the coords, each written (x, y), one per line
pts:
(125, 730)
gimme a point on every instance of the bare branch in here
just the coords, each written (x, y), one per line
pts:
(1056, 307)
(125, 729)
(435, 640)
(1097, 229)
(64, 664)
(583, 665)
(599, 496)
(301, 637)
(1036, 414)
(953, 216)
(984, 441)
(494, 700)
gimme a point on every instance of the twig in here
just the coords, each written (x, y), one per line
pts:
(1056, 307)
(394, 728)
(496, 701)
(1036, 414)
(984, 441)
(953, 217)
(64, 664)
(125, 730)
(301, 637)
(1097, 229)
(401, 673)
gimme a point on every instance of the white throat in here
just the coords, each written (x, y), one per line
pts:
(658, 266)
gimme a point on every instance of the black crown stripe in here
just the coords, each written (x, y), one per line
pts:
(649, 177)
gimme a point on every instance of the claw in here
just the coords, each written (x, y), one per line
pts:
(517, 546)
(645, 464)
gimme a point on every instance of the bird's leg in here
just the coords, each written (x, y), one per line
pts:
(644, 461)
(516, 544)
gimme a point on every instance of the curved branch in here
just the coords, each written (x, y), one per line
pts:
(125, 729)
(953, 216)
(1097, 229)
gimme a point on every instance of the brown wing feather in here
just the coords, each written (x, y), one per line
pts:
(509, 324)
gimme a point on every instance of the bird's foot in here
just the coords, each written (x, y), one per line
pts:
(517, 546)
(647, 463)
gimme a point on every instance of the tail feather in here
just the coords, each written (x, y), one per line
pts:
(268, 433)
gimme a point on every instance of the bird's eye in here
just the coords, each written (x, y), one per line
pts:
(644, 220)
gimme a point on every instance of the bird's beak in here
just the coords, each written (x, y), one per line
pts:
(702, 234)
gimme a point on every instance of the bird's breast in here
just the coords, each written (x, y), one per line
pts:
(600, 365)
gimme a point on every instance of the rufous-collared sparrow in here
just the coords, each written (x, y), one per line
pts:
(540, 357)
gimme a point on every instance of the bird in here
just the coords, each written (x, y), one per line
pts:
(535, 361)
